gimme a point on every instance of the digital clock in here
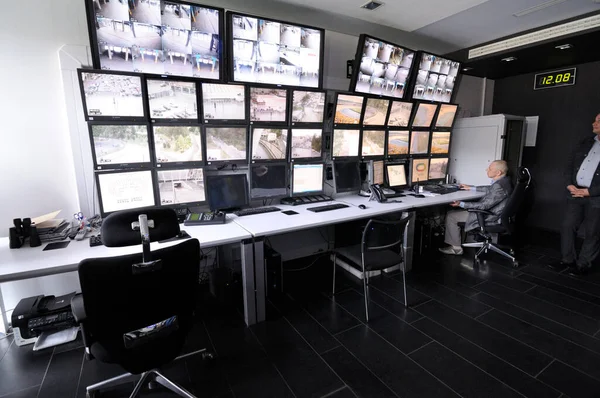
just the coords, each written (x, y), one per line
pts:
(557, 78)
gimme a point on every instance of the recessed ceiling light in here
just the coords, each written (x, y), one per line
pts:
(372, 5)
(509, 59)
(564, 46)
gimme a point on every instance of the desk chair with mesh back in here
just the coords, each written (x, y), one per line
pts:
(490, 233)
(136, 310)
(380, 248)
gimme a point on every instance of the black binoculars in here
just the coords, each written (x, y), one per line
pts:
(22, 231)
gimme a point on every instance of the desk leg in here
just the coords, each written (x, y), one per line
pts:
(3, 311)
(259, 277)
(249, 291)
(409, 238)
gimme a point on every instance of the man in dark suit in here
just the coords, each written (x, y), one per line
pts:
(494, 201)
(582, 180)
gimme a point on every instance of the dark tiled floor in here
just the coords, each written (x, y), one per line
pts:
(486, 331)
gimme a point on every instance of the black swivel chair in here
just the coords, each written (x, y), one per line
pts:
(380, 248)
(490, 233)
(136, 310)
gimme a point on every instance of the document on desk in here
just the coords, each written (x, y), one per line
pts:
(47, 220)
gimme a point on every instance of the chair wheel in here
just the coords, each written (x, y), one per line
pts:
(515, 264)
(208, 356)
(512, 252)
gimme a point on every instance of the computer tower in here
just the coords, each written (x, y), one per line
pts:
(273, 271)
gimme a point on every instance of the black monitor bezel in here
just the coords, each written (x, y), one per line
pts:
(415, 73)
(416, 110)
(221, 176)
(412, 110)
(387, 138)
(418, 155)
(372, 157)
(387, 113)
(435, 127)
(357, 62)
(210, 122)
(178, 205)
(269, 127)
(99, 189)
(346, 190)
(199, 109)
(291, 107)
(121, 166)
(362, 110)
(447, 154)
(438, 180)
(287, 182)
(406, 173)
(91, 25)
(101, 118)
(358, 155)
(249, 105)
(225, 162)
(306, 159)
(412, 159)
(230, 38)
(192, 164)
(292, 194)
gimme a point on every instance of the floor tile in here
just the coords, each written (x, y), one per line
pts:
(5, 343)
(354, 303)
(30, 392)
(62, 375)
(328, 314)
(560, 288)
(570, 381)
(394, 288)
(343, 393)
(22, 368)
(398, 333)
(575, 283)
(392, 305)
(95, 371)
(565, 301)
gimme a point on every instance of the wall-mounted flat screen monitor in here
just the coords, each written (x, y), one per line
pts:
(438, 168)
(398, 143)
(419, 142)
(424, 115)
(223, 102)
(446, 116)
(400, 114)
(268, 180)
(346, 176)
(269, 144)
(307, 178)
(306, 143)
(436, 78)
(381, 68)
(125, 190)
(308, 106)
(229, 191)
(177, 144)
(181, 186)
(274, 52)
(112, 96)
(226, 144)
(419, 170)
(172, 99)
(373, 143)
(440, 142)
(119, 145)
(396, 175)
(376, 112)
(345, 143)
(348, 109)
(157, 37)
(268, 105)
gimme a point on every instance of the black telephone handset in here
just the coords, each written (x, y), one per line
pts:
(378, 192)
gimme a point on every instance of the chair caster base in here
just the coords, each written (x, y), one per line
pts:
(208, 356)
(515, 264)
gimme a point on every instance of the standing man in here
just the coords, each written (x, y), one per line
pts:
(494, 201)
(582, 181)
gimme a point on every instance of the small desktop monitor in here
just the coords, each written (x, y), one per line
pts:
(226, 192)
(373, 143)
(120, 145)
(419, 142)
(396, 175)
(376, 175)
(307, 179)
(419, 170)
(438, 168)
(268, 105)
(223, 102)
(125, 190)
(348, 109)
(268, 180)
(397, 143)
(269, 144)
(346, 176)
(112, 95)
(181, 187)
(440, 142)
(345, 143)
(175, 100)
(177, 144)
(308, 106)
(376, 112)
(424, 115)
(306, 144)
(446, 116)
(435, 78)
(226, 144)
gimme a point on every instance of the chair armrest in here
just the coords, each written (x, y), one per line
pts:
(78, 308)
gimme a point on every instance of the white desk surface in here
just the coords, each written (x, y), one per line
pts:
(275, 223)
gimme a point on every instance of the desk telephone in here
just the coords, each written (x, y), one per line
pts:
(377, 193)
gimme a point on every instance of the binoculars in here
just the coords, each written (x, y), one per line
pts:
(22, 231)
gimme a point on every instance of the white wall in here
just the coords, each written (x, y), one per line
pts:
(475, 96)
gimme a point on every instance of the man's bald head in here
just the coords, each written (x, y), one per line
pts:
(497, 169)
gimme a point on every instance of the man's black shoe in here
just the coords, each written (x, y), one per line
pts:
(559, 265)
(577, 271)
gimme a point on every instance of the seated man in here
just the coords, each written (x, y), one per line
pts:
(494, 201)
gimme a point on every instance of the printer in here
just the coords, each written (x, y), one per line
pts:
(34, 315)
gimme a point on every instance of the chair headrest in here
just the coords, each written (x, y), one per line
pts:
(524, 176)
(117, 231)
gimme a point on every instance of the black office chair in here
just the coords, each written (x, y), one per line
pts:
(380, 248)
(490, 233)
(136, 310)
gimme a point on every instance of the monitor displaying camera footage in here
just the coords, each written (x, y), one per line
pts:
(376, 112)
(419, 142)
(268, 104)
(223, 102)
(436, 78)
(177, 144)
(419, 170)
(122, 145)
(157, 36)
(268, 180)
(306, 143)
(125, 190)
(446, 116)
(348, 109)
(111, 95)
(227, 191)
(373, 143)
(424, 115)
(382, 68)
(179, 186)
(438, 167)
(345, 143)
(172, 99)
(269, 144)
(274, 52)
(440, 142)
(226, 144)
(308, 106)
(397, 143)
(400, 114)
(396, 175)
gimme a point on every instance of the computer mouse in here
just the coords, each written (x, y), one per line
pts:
(362, 207)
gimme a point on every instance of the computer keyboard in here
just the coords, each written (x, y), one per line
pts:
(334, 206)
(441, 189)
(257, 210)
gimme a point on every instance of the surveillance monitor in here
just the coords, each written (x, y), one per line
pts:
(400, 113)
(373, 143)
(227, 192)
(226, 144)
(124, 190)
(172, 100)
(345, 143)
(438, 168)
(424, 115)
(376, 112)
(446, 116)
(419, 143)
(223, 103)
(436, 78)
(306, 144)
(268, 180)
(396, 175)
(398, 143)
(308, 106)
(419, 170)
(177, 144)
(307, 179)
(268, 105)
(348, 109)
(440, 142)
(181, 186)
(346, 176)
(269, 144)
(119, 145)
